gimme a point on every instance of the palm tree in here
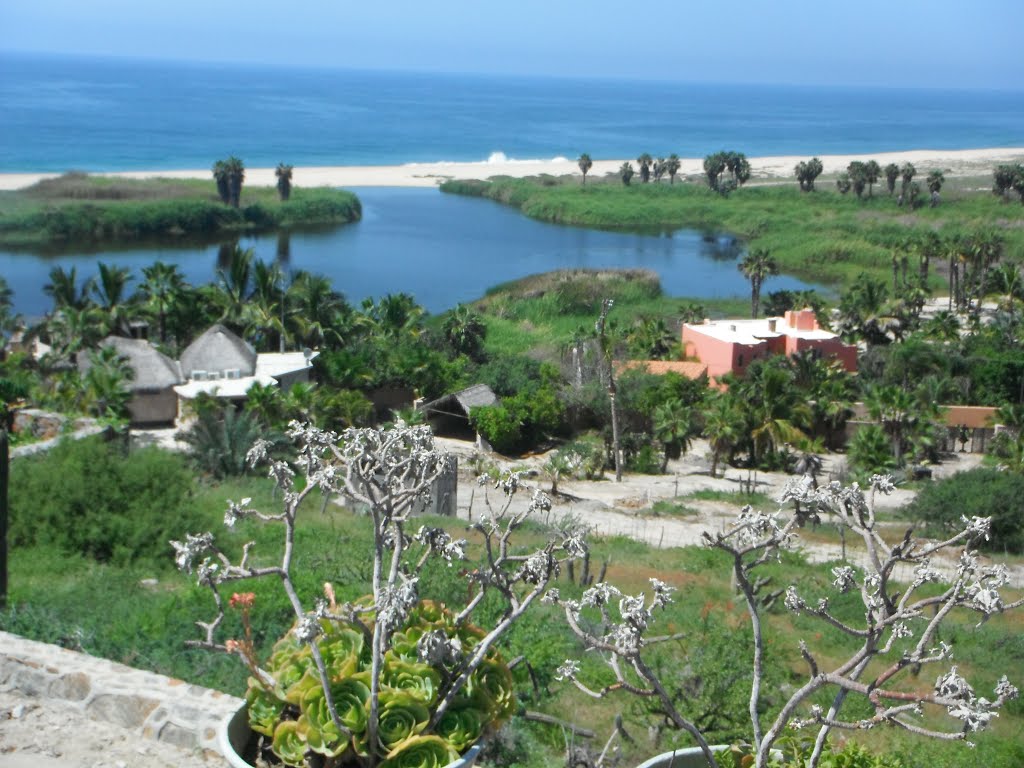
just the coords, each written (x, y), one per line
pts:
(110, 297)
(236, 175)
(607, 351)
(1007, 281)
(892, 172)
(220, 438)
(265, 403)
(234, 283)
(897, 412)
(585, 164)
(105, 384)
(756, 266)
(806, 172)
(871, 172)
(222, 178)
(64, 290)
(264, 313)
(672, 167)
(907, 172)
(320, 314)
(644, 163)
(775, 407)
(626, 173)
(465, 332)
(161, 288)
(284, 180)
(673, 422)
(722, 426)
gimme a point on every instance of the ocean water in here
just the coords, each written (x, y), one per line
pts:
(63, 113)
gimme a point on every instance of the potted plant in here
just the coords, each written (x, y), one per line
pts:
(394, 679)
(908, 587)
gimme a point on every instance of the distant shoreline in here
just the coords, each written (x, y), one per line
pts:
(963, 162)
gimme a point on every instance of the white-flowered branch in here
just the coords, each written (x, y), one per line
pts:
(897, 634)
(389, 472)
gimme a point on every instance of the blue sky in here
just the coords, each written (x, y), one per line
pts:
(941, 43)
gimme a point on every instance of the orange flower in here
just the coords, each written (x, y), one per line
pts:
(242, 600)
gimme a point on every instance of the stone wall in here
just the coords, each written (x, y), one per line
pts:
(151, 706)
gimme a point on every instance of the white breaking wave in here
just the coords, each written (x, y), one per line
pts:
(495, 158)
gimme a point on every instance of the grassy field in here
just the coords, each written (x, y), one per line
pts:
(141, 615)
(823, 236)
(76, 208)
(538, 315)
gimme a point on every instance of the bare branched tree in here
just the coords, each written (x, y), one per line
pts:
(898, 634)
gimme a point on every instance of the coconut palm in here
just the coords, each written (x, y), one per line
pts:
(757, 265)
(162, 286)
(284, 180)
(585, 164)
(775, 408)
(898, 414)
(265, 309)
(1007, 281)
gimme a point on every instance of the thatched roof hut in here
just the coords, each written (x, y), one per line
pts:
(449, 414)
(155, 375)
(218, 353)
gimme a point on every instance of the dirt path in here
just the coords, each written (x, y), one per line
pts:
(624, 509)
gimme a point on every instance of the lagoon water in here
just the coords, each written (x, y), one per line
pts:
(441, 248)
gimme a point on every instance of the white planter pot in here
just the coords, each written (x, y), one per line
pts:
(234, 734)
(691, 757)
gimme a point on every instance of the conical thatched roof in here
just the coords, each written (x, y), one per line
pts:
(219, 350)
(154, 371)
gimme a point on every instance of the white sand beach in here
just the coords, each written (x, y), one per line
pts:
(964, 162)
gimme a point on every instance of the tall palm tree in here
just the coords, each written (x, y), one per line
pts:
(464, 329)
(236, 176)
(221, 178)
(284, 180)
(161, 288)
(776, 409)
(757, 265)
(672, 167)
(871, 173)
(1007, 281)
(585, 164)
(897, 411)
(644, 162)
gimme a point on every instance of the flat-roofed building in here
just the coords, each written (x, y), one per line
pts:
(730, 346)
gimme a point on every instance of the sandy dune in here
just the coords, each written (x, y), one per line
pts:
(952, 162)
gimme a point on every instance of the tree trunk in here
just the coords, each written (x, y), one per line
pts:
(616, 447)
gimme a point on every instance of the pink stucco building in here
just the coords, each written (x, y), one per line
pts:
(731, 345)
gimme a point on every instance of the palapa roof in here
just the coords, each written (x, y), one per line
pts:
(154, 371)
(470, 397)
(218, 349)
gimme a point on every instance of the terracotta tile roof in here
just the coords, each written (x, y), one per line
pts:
(970, 416)
(689, 369)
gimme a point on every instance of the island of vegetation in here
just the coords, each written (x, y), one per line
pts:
(829, 233)
(77, 208)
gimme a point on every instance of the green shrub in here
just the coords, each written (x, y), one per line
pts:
(92, 498)
(976, 493)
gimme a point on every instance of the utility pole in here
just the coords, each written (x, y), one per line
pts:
(4, 477)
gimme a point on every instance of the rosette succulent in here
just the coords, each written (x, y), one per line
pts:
(291, 710)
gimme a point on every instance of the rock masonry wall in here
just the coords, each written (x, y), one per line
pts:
(150, 705)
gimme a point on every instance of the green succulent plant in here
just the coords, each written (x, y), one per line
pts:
(292, 711)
